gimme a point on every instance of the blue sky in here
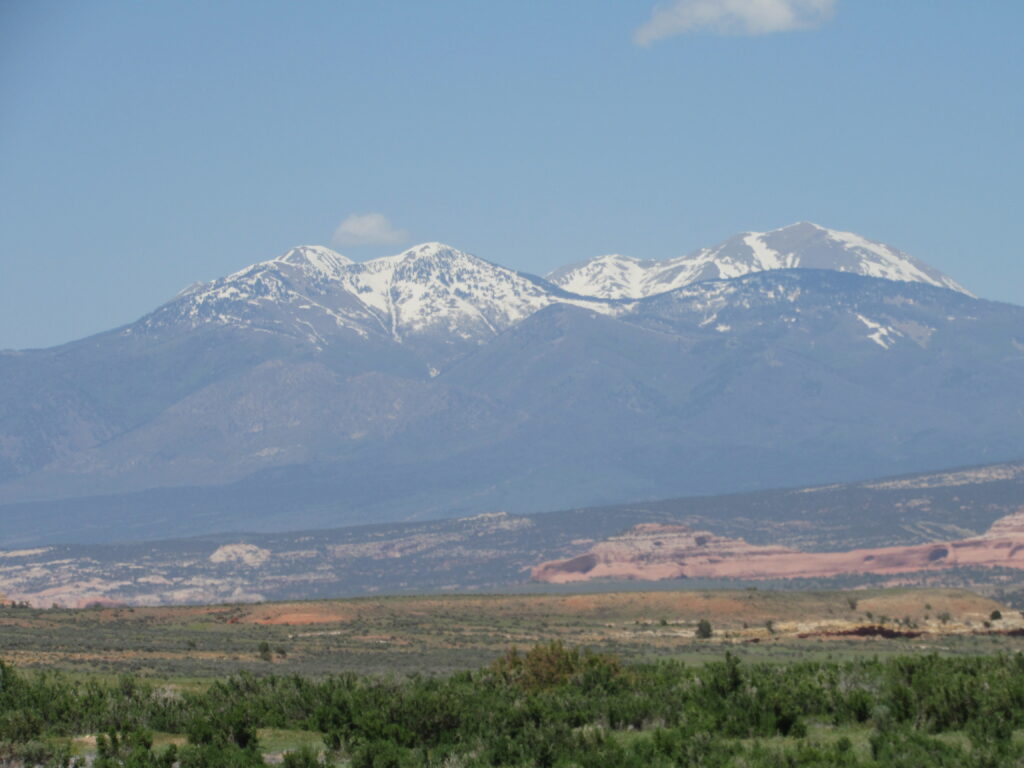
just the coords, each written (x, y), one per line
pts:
(146, 145)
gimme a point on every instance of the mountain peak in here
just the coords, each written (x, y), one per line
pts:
(801, 245)
(433, 252)
(435, 286)
(611, 276)
(799, 229)
(316, 257)
(819, 247)
(431, 249)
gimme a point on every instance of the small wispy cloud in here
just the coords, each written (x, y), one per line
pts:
(732, 17)
(367, 229)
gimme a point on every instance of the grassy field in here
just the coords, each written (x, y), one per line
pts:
(438, 635)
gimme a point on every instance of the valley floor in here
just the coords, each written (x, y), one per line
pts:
(440, 635)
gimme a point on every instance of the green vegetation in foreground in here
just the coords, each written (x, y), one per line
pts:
(551, 706)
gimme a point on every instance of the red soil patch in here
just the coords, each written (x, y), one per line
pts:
(289, 614)
(298, 617)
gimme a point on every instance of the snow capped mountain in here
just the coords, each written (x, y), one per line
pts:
(802, 245)
(311, 292)
(297, 294)
(434, 287)
(439, 299)
(612, 276)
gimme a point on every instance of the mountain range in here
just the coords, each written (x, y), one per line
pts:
(311, 390)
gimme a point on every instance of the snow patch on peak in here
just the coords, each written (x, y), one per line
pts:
(316, 257)
(764, 256)
(431, 250)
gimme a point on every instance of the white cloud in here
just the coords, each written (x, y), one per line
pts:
(367, 229)
(732, 17)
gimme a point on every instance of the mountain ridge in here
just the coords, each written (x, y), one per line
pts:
(435, 287)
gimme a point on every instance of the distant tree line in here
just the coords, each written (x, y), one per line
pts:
(549, 706)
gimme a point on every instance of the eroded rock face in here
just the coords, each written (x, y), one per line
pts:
(652, 552)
